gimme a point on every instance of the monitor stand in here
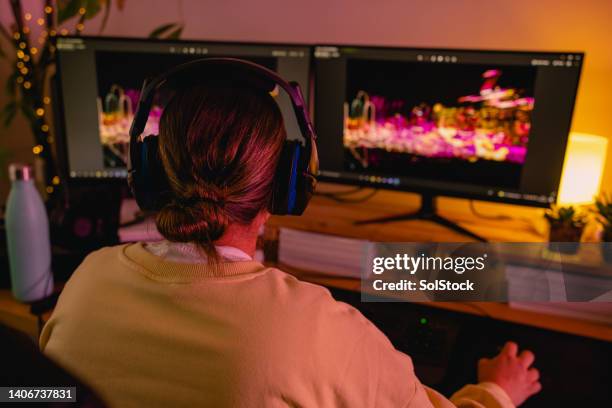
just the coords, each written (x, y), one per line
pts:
(426, 212)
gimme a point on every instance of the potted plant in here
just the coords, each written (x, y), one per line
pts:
(603, 214)
(27, 44)
(566, 225)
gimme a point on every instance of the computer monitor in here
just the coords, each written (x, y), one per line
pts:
(490, 125)
(99, 80)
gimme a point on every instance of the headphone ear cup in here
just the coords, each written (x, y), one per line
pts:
(285, 180)
(307, 182)
(148, 179)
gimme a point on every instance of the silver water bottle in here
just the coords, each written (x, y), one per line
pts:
(27, 233)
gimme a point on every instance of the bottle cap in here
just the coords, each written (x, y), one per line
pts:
(18, 171)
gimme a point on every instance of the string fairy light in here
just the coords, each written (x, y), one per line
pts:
(25, 53)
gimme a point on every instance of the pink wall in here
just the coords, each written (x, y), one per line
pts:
(518, 24)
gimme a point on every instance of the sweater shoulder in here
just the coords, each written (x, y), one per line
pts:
(100, 261)
(104, 254)
(314, 304)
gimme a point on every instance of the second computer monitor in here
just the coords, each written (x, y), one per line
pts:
(479, 124)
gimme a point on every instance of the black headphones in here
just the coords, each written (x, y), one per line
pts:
(295, 178)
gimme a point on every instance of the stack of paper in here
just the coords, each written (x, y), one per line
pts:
(560, 293)
(325, 254)
(595, 311)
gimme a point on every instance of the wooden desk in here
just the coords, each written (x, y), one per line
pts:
(17, 315)
(328, 217)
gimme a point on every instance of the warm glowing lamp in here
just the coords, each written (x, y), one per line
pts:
(585, 158)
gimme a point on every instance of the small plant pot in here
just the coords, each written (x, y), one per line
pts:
(568, 235)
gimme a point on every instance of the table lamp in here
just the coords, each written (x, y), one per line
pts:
(583, 167)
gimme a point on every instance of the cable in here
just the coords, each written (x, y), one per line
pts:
(497, 217)
(340, 193)
(502, 217)
(336, 198)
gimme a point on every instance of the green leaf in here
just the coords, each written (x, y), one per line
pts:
(8, 113)
(159, 31)
(66, 9)
(176, 34)
(92, 8)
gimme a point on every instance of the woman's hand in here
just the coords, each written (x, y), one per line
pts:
(511, 372)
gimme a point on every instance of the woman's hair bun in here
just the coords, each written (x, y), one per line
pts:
(194, 220)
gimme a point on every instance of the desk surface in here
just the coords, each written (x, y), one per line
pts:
(17, 315)
(329, 217)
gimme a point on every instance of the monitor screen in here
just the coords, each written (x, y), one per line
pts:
(99, 85)
(479, 124)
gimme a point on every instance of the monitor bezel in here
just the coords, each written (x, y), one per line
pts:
(435, 188)
(58, 97)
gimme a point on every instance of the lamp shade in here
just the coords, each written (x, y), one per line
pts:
(583, 167)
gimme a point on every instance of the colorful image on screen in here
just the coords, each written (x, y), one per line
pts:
(120, 76)
(429, 112)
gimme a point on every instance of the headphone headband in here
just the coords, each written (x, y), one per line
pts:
(260, 76)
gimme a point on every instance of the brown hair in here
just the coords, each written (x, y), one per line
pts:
(220, 146)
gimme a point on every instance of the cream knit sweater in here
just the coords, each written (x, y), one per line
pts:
(146, 332)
